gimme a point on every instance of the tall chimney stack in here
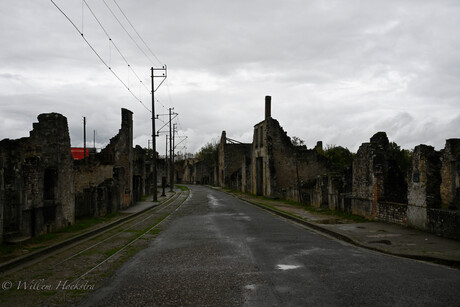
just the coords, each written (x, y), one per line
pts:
(268, 106)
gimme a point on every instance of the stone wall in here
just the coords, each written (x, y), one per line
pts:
(423, 185)
(104, 181)
(188, 174)
(230, 160)
(119, 152)
(450, 187)
(139, 173)
(195, 171)
(395, 213)
(37, 180)
(376, 177)
(445, 223)
(279, 167)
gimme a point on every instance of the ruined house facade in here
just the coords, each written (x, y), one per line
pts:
(36, 180)
(271, 165)
(278, 167)
(194, 171)
(104, 181)
(42, 188)
(426, 197)
(231, 156)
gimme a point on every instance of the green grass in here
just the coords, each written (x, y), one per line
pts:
(41, 240)
(88, 222)
(325, 211)
(182, 188)
(155, 231)
(112, 251)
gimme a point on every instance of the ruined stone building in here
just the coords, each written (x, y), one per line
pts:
(375, 185)
(37, 193)
(279, 168)
(424, 198)
(194, 171)
(231, 156)
(271, 165)
(104, 181)
(42, 188)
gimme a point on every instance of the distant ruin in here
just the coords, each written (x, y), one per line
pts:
(375, 184)
(43, 189)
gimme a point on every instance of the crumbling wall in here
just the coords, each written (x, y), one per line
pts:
(424, 185)
(197, 171)
(283, 167)
(188, 172)
(104, 182)
(377, 178)
(445, 223)
(431, 184)
(139, 174)
(450, 171)
(229, 162)
(246, 174)
(37, 180)
(119, 152)
(102, 198)
(277, 167)
(142, 172)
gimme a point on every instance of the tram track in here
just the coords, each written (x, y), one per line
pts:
(11, 265)
(92, 259)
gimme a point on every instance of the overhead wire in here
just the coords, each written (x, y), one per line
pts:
(137, 45)
(113, 43)
(138, 35)
(98, 55)
(135, 42)
(127, 32)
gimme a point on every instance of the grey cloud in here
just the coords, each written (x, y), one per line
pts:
(337, 71)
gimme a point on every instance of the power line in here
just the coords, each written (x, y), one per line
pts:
(126, 31)
(97, 54)
(145, 44)
(113, 43)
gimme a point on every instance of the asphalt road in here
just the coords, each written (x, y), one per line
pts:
(220, 251)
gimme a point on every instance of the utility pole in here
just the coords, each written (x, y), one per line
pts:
(171, 165)
(166, 156)
(94, 141)
(173, 139)
(165, 171)
(84, 137)
(154, 147)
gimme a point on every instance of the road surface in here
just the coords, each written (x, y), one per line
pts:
(220, 251)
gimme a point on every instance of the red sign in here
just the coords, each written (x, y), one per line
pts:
(77, 153)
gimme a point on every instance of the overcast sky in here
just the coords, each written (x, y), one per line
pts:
(337, 71)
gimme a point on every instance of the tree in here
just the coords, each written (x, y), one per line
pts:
(403, 157)
(209, 152)
(340, 157)
(296, 141)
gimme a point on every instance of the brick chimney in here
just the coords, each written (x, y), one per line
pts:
(268, 106)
